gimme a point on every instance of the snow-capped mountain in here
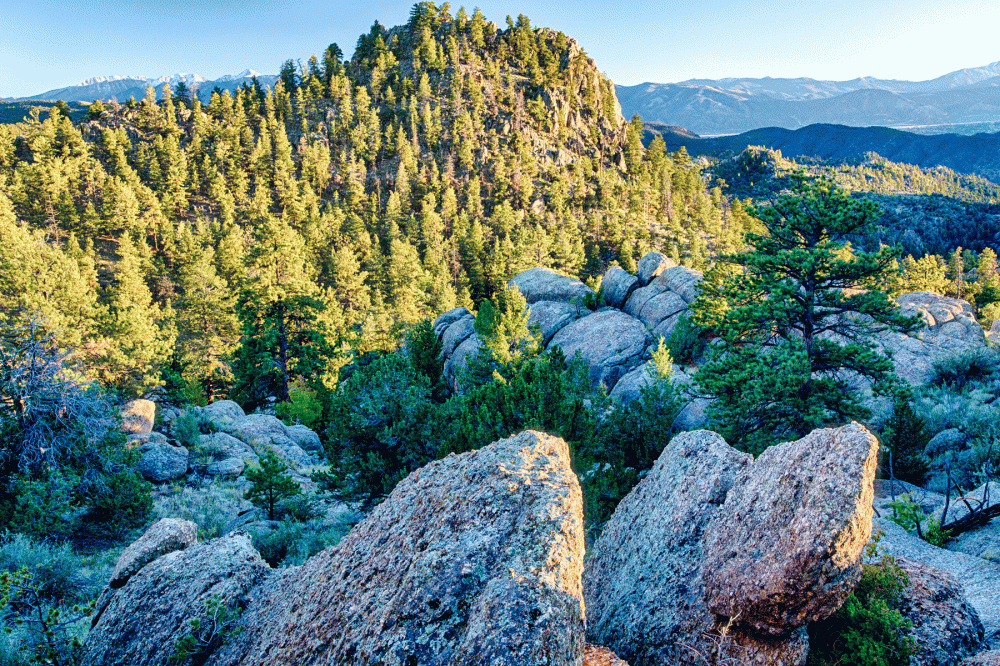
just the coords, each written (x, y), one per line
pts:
(120, 88)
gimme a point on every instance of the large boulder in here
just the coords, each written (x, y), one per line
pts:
(786, 548)
(464, 353)
(443, 322)
(945, 625)
(553, 316)
(457, 333)
(979, 578)
(227, 468)
(661, 313)
(164, 536)
(143, 621)
(693, 412)
(950, 328)
(162, 462)
(618, 285)
(681, 280)
(223, 446)
(222, 412)
(610, 341)
(951, 439)
(473, 559)
(264, 430)
(643, 580)
(544, 284)
(306, 438)
(138, 416)
(651, 266)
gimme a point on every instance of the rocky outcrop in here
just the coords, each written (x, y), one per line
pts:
(950, 328)
(227, 468)
(221, 413)
(642, 582)
(611, 342)
(553, 316)
(165, 536)
(786, 547)
(979, 578)
(138, 416)
(651, 266)
(692, 415)
(262, 431)
(708, 530)
(951, 439)
(618, 285)
(222, 446)
(544, 284)
(989, 658)
(143, 621)
(160, 462)
(473, 559)
(945, 625)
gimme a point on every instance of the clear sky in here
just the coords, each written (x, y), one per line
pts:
(46, 44)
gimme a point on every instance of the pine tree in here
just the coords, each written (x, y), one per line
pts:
(270, 484)
(788, 319)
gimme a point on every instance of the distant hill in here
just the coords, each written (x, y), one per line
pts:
(729, 106)
(978, 154)
(120, 88)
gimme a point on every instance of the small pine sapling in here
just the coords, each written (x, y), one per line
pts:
(270, 484)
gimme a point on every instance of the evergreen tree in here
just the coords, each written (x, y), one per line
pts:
(271, 484)
(794, 316)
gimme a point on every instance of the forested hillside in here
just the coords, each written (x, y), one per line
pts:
(270, 234)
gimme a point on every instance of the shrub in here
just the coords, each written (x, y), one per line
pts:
(293, 542)
(685, 341)
(424, 351)
(186, 429)
(303, 407)
(211, 507)
(124, 502)
(42, 507)
(868, 630)
(384, 423)
(208, 633)
(967, 369)
(58, 572)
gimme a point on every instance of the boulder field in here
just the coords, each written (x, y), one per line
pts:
(479, 558)
(617, 338)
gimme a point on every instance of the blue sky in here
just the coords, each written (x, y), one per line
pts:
(46, 44)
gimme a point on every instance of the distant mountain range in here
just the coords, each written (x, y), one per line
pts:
(733, 105)
(979, 154)
(120, 88)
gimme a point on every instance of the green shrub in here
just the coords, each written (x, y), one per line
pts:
(58, 572)
(211, 506)
(384, 423)
(42, 507)
(124, 502)
(187, 429)
(424, 351)
(685, 341)
(868, 630)
(303, 407)
(294, 542)
(208, 633)
(967, 369)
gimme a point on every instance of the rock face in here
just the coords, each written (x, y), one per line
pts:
(951, 439)
(162, 462)
(610, 341)
(552, 316)
(652, 265)
(263, 430)
(144, 620)
(786, 548)
(708, 529)
(642, 582)
(951, 327)
(544, 284)
(594, 655)
(979, 578)
(138, 416)
(473, 559)
(223, 447)
(222, 412)
(990, 658)
(165, 536)
(945, 625)
(618, 285)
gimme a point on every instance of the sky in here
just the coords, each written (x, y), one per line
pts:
(48, 44)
